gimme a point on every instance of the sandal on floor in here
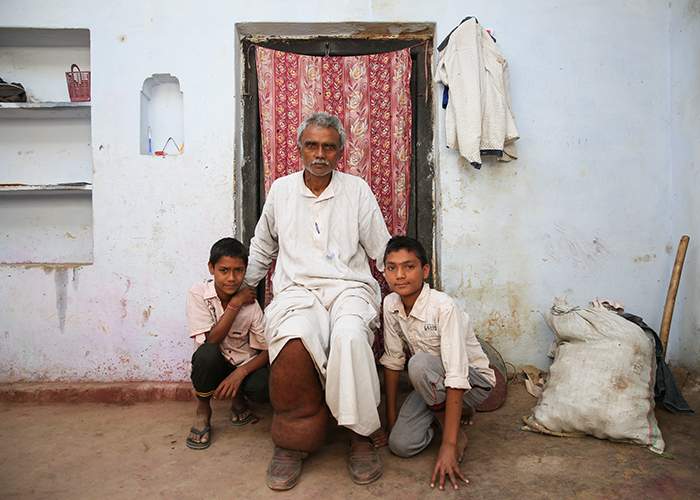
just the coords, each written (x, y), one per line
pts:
(285, 468)
(198, 445)
(363, 462)
(243, 416)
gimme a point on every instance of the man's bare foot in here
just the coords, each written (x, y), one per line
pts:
(200, 432)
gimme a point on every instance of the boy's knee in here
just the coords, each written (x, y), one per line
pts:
(206, 355)
(418, 366)
(400, 447)
(256, 385)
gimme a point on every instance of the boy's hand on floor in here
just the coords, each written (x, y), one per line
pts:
(379, 438)
(446, 466)
(228, 388)
(244, 296)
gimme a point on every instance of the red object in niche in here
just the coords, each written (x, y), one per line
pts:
(78, 84)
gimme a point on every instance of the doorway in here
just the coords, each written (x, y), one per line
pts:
(343, 39)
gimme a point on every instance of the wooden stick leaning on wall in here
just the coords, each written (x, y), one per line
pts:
(673, 290)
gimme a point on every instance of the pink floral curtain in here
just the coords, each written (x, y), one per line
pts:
(371, 96)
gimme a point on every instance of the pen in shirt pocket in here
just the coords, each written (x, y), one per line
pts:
(317, 229)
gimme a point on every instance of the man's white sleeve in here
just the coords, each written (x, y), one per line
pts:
(264, 245)
(373, 232)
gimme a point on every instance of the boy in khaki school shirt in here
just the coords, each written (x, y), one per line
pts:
(226, 322)
(448, 368)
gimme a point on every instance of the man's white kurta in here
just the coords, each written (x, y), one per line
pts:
(320, 243)
(323, 287)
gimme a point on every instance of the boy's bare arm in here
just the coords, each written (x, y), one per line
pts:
(255, 364)
(241, 298)
(446, 465)
(228, 388)
(391, 384)
(453, 415)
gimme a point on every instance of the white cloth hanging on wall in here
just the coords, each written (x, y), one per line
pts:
(478, 118)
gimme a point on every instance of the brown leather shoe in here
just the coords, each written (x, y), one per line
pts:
(364, 463)
(285, 468)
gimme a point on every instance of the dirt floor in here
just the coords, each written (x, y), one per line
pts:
(93, 450)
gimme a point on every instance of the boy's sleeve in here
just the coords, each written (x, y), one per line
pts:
(256, 334)
(393, 357)
(453, 349)
(199, 319)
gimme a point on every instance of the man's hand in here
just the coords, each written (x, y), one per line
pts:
(446, 466)
(244, 296)
(228, 388)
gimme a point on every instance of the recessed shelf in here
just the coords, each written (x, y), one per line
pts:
(46, 226)
(75, 187)
(44, 37)
(45, 110)
(45, 150)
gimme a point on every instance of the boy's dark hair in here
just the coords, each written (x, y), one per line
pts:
(397, 243)
(228, 247)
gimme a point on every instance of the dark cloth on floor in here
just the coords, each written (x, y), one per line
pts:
(666, 391)
(210, 368)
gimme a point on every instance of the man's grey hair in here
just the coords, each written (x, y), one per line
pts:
(324, 120)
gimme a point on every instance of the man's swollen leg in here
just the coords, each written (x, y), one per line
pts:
(300, 414)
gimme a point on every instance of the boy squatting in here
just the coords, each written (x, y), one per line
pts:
(226, 322)
(447, 368)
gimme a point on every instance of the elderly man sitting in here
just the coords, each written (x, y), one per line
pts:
(321, 225)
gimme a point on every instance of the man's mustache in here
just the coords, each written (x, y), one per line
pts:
(320, 162)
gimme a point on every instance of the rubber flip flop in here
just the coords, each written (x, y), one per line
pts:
(198, 445)
(245, 416)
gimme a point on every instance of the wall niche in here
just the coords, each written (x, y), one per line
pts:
(162, 117)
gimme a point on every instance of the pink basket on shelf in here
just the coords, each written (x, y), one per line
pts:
(78, 84)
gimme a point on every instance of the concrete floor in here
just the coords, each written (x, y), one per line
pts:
(94, 450)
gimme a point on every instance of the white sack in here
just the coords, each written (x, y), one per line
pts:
(601, 381)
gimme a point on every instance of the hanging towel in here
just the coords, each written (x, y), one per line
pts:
(478, 118)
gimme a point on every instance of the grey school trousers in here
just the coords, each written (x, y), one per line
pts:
(412, 432)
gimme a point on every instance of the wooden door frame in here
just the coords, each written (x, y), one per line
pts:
(367, 38)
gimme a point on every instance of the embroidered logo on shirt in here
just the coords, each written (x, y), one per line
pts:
(430, 327)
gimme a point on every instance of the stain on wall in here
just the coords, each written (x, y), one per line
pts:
(146, 315)
(645, 258)
(61, 281)
(123, 302)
